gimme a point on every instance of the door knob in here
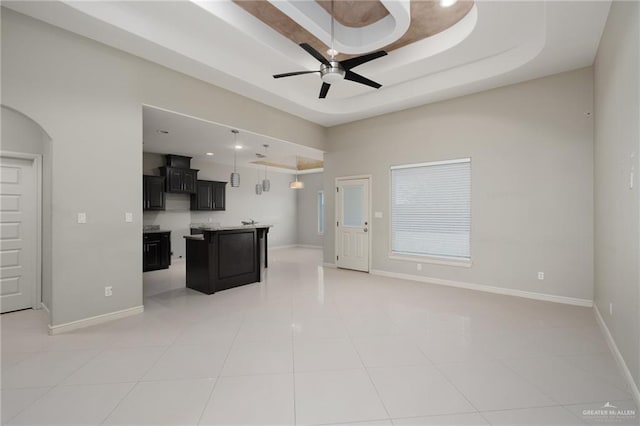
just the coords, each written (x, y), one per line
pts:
(366, 229)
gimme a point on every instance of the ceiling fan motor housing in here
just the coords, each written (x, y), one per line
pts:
(333, 73)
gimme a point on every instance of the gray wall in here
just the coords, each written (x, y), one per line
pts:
(276, 207)
(307, 210)
(617, 140)
(88, 98)
(21, 134)
(532, 175)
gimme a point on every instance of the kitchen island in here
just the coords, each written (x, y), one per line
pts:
(223, 257)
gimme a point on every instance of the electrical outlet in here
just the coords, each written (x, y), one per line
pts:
(108, 291)
(541, 275)
(419, 266)
(128, 217)
(82, 218)
(610, 309)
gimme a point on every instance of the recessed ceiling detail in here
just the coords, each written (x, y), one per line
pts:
(358, 13)
(293, 162)
(425, 19)
(494, 44)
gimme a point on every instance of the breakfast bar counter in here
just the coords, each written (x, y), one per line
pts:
(219, 257)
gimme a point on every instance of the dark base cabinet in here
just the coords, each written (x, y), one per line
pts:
(156, 251)
(224, 259)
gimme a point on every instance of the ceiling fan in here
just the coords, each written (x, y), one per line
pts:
(332, 71)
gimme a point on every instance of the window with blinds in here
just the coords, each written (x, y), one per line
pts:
(431, 209)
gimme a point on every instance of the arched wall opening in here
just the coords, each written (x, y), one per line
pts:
(22, 135)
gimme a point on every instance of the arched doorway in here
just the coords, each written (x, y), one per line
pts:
(25, 212)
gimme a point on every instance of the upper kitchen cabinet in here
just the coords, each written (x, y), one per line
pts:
(153, 192)
(180, 177)
(210, 195)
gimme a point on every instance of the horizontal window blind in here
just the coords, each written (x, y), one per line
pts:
(431, 209)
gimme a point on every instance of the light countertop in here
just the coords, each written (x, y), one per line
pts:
(207, 227)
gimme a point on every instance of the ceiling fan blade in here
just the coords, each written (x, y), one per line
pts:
(323, 90)
(313, 52)
(347, 64)
(352, 76)
(290, 74)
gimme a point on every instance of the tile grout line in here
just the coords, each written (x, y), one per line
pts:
(57, 384)
(293, 361)
(439, 370)
(504, 364)
(557, 403)
(136, 383)
(364, 366)
(217, 380)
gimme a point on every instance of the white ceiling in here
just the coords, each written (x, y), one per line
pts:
(194, 137)
(496, 44)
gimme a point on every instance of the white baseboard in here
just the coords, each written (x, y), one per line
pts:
(98, 319)
(488, 289)
(287, 246)
(283, 247)
(622, 365)
(329, 265)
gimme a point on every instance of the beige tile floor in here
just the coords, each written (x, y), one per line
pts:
(314, 346)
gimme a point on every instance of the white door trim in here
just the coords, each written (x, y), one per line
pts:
(37, 165)
(336, 215)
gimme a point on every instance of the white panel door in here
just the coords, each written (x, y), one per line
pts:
(17, 234)
(352, 224)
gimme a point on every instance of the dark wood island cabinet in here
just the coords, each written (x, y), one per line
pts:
(226, 257)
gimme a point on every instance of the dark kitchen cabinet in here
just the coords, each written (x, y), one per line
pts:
(210, 195)
(179, 180)
(153, 192)
(156, 251)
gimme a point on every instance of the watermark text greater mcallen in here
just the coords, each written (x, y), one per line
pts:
(610, 413)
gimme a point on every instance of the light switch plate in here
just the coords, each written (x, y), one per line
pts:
(128, 217)
(82, 218)
(377, 215)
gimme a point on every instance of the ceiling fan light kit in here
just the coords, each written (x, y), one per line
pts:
(332, 71)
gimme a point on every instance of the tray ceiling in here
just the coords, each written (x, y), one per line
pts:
(492, 44)
(427, 19)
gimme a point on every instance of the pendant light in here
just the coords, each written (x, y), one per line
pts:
(296, 184)
(235, 176)
(258, 185)
(266, 183)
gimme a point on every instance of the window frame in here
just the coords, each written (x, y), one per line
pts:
(429, 258)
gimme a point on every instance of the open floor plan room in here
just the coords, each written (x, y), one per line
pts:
(315, 346)
(320, 212)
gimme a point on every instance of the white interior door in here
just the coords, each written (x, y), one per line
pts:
(352, 233)
(18, 268)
